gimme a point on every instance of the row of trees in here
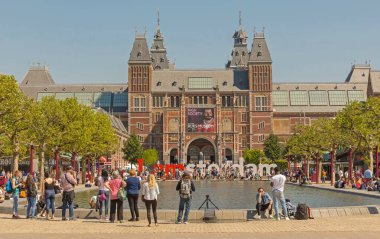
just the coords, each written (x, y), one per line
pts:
(357, 126)
(133, 150)
(50, 125)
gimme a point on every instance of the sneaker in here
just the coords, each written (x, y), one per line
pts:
(137, 219)
(121, 221)
(131, 220)
(277, 218)
(185, 222)
(177, 222)
(72, 219)
(64, 219)
(287, 218)
(270, 217)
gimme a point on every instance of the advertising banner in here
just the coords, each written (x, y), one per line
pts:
(200, 120)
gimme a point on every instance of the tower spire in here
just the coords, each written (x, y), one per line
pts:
(240, 25)
(158, 50)
(158, 18)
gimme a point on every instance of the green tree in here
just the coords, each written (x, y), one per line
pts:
(281, 164)
(15, 119)
(253, 156)
(272, 148)
(133, 149)
(150, 156)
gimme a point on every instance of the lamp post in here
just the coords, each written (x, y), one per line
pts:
(31, 158)
(350, 164)
(332, 167)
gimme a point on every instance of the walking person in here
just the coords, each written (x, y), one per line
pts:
(116, 204)
(103, 194)
(185, 187)
(324, 175)
(48, 193)
(68, 182)
(133, 188)
(277, 184)
(16, 185)
(31, 195)
(150, 192)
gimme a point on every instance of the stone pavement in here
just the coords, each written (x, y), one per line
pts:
(366, 226)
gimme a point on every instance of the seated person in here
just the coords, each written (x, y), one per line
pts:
(41, 207)
(2, 194)
(92, 202)
(264, 202)
(88, 184)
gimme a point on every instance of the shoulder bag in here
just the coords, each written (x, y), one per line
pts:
(121, 194)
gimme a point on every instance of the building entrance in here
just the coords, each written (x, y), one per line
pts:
(201, 150)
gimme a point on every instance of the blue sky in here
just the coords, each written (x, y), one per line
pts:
(89, 41)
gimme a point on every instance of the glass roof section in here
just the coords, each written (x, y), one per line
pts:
(280, 98)
(299, 97)
(338, 97)
(355, 95)
(200, 83)
(318, 97)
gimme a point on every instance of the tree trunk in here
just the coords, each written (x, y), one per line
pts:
(319, 170)
(42, 169)
(84, 167)
(92, 171)
(308, 168)
(371, 159)
(15, 158)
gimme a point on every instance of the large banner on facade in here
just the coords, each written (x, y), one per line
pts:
(200, 120)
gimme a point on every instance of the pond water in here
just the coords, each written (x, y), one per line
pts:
(242, 195)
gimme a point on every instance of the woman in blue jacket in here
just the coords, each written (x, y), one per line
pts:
(133, 188)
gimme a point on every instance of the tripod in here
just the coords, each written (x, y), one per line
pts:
(207, 200)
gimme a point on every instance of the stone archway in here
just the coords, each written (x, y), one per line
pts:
(173, 156)
(228, 154)
(201, 149)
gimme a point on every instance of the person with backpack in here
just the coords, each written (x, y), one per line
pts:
(31, 195)
(68, 182)
(278, 184)
(185, 187)
(13, 187)
(103, 194)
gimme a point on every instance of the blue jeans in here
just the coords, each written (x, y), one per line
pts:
(106, 202)
(184, 203)
(68, 202)
(279, 196)
(31, 205)
(49, 201)
(15, 204)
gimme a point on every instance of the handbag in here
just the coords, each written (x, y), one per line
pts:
(57, 189)
(102, 197)
(121, 194)
(22, 193)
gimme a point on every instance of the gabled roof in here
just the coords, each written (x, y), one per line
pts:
(38, 75)
(140, 51)
(260, 51)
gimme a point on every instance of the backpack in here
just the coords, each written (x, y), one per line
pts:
(185, 190)
(302, 212)
(8, 186)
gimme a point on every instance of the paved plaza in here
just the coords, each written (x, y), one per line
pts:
(347, 227)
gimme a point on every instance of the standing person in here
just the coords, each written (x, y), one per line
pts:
(48, 193)
(150, 192)
(16, 185)
(324, 175)
(277, 184)
(263, 202)
(133, 188)
(185, 187)
(115, 184)
(68, 182)
(31, 195)
(367, 177)
(104, 188)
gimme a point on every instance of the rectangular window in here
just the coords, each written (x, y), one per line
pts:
(157, 117)
(280, 98)
(200, 82)
(157, 101)
(140, 126)
(227, 101)
(338, 97)
(243, 117)
(318, 97)
(242, 100)
(200, 100)
(244, 130)
(355, 95)
(244, 143)
(195, 100)
(141, 139)
(299, 97)
(261, 138)
(261, 103)
(205, 100)
(139, 104)
(262, 125)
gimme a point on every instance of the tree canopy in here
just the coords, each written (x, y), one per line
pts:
(133, 149)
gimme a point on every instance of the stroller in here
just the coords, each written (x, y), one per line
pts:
(290, 208)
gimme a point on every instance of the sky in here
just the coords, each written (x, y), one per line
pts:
(89, 41)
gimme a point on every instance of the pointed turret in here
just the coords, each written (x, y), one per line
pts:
(38, 75)
(158, 50)
(240, 52)
(260, 51)
(140, 51)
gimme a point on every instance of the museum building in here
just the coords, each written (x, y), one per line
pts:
(208, 114)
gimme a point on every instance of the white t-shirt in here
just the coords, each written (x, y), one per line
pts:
(278, 182)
